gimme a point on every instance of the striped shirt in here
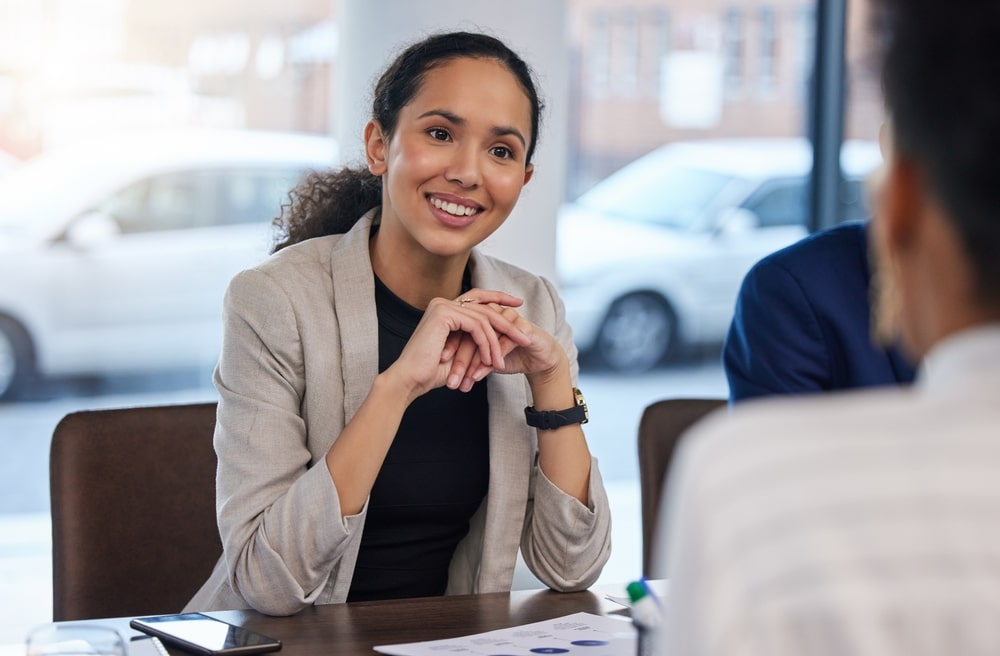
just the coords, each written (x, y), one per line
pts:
(855, 523)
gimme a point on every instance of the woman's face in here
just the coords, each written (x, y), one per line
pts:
(455, 165)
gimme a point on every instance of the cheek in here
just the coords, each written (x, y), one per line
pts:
(508, 182)
(411, 159)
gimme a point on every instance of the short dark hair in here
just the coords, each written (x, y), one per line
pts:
(940, 70)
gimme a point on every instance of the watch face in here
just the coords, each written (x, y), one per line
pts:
(580, 401)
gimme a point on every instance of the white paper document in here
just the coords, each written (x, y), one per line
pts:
(580, 634)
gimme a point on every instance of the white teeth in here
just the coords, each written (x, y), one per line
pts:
(453, 208)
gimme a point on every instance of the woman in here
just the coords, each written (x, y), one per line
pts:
(372, 428)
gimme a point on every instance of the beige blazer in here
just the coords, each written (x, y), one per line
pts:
(300, 353)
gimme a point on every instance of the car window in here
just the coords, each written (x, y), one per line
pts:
(853, 201)
(669, 195)
(253, 196)
(780, 203)
(786, 202)
(171, 201)
(196, 199)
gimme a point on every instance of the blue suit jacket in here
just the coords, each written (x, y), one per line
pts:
(802, 322)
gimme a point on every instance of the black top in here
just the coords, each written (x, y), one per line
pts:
(433, 480)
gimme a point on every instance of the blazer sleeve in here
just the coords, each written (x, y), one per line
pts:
(278, 510)
(775, 344)
(565, 543)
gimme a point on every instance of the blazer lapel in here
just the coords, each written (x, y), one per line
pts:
(354, 305)
(512, 453)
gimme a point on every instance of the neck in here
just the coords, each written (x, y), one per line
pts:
(416, 279)
(939, 287)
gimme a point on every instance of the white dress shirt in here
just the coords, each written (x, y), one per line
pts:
(854, 523)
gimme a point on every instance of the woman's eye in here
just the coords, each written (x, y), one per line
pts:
(438, 133)
(503, 152)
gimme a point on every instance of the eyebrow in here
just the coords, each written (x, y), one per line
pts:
(499, 131)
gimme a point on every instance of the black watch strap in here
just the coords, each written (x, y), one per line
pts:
(552, 419)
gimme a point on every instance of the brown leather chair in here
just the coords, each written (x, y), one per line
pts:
(660, 427)
(133, 510)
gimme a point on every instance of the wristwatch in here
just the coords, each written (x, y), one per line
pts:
(551, 419)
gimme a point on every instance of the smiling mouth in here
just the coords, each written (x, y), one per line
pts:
(453, 208)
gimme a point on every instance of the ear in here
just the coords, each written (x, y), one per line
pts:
(903, 198)
(375, 147)
(529, 170)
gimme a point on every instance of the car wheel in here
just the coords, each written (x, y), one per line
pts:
(15, 358)
(637, 333)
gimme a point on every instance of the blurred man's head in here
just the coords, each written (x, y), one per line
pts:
(937, 223)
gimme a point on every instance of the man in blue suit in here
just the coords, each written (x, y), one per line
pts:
(802, 322)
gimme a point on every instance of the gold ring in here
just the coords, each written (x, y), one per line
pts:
(463, 301)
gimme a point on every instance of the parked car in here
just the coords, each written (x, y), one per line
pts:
(115, 255)
(652, 257)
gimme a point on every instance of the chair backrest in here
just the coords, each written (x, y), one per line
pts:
(133, 510)
(660, 427)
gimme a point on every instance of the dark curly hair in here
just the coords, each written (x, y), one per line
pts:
(940, 69)
(331, 202)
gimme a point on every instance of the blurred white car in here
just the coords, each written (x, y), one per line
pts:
(652, 257)
(115, 255)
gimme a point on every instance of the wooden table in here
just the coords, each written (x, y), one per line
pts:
(354, 629)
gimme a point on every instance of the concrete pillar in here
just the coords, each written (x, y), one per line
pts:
(373, 31)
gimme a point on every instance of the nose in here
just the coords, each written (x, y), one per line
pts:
(465, 167)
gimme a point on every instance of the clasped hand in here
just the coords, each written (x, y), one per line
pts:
(459, 342)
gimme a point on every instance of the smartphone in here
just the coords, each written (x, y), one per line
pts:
(202, 634)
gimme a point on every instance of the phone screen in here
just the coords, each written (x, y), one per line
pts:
(205, 634)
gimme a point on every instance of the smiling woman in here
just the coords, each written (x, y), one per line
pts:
(376, 370)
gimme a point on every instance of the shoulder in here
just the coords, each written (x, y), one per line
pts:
(492, 273)
(841, 246)
(303, 269)
(760, 437)
(488, 269)
(329, 253)
(311, 252)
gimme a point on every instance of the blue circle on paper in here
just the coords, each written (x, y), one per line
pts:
(589, 643)
(549, 650)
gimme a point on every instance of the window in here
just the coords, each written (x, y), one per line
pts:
(659, 48)
(628, 54)
(780, 203)
(253, 196)
(174, 201)
(201, 199)
(598, 55)
(733, 51)
(767, 74)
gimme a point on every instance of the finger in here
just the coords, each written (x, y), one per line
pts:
(473, 322)
(476, 372)
(451, 345)
(512, 324)
(487, 338)
(466, 356)
(486, 296)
